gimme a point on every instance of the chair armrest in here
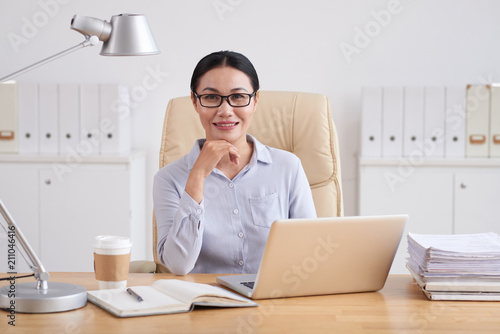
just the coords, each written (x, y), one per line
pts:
(142, 267)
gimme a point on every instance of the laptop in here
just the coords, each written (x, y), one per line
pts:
(318, 256)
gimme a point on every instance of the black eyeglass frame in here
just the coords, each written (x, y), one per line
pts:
(227, 99)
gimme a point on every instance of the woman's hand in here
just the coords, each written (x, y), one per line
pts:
(211, 153)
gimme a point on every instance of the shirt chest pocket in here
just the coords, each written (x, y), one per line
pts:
(265, 209)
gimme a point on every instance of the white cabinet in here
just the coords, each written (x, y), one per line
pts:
(61, 206)
(477, 201)
(440, 196)
(19, 193)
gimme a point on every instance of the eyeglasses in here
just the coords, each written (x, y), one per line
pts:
(215, 100)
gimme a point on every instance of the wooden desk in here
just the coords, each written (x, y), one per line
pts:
(398, 308)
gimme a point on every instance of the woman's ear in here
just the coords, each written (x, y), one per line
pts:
(194, 100)
(256, 99)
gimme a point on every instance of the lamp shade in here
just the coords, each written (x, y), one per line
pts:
(130, 36)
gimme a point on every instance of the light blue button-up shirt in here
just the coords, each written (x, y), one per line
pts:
(227, 231)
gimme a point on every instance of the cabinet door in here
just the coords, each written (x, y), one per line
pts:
(424, 194)
(19, 193)
(90, 200)
(477, 206)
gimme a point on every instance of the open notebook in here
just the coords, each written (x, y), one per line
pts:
(165, 296)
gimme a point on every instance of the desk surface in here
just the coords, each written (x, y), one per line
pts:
(398, 308)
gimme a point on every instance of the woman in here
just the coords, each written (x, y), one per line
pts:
(214, 206)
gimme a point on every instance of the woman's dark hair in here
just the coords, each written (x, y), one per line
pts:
(224, 58)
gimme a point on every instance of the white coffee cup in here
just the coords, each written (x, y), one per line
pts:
(111, 261)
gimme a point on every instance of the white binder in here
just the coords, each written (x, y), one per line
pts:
(115, 119)
(8, 118)
(392, 122)
(371, 122)
(48, 118)
(90, 134)
(455, 122)
(495, 122)
(28, 118)
(477, 129)
(413, 125)
(69, 118)
(434, 119)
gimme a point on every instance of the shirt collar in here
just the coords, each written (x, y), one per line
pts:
(260, 152)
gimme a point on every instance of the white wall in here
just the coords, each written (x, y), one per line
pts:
(295, 45)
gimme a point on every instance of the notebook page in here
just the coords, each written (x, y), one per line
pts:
(188, 291)
(121, 300)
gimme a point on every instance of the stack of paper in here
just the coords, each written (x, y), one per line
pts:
(456, 267)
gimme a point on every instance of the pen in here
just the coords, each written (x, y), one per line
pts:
(135, 295)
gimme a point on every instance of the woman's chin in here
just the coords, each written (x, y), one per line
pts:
(229, 137)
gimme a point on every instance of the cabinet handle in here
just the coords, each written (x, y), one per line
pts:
(477, 139)
(463, 186)
(6, 135)
(48, 182)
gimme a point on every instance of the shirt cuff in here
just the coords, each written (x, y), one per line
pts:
(194, 210)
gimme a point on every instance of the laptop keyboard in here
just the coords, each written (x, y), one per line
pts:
(248, 284)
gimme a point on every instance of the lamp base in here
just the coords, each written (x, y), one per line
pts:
(58, 297)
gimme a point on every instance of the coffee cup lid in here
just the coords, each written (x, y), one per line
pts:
(111, 241)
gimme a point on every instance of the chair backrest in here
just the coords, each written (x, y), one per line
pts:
(297, 122)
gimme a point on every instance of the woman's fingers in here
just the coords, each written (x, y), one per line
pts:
(234, 158)
(213, 151)
(210, 155)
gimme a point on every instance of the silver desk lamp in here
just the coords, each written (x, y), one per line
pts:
(125, 35)
(40, 296)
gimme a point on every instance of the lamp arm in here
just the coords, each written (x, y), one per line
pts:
(90, 41)
(36, 265)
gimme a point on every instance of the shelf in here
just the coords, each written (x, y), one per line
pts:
(427, 162)
(117, 158)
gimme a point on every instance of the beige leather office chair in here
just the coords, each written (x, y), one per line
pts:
(300, 123)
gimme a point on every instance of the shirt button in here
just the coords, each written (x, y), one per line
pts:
(240, 263)
(240, 234)
(231, 185)
(235, 211)
(198, 211)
